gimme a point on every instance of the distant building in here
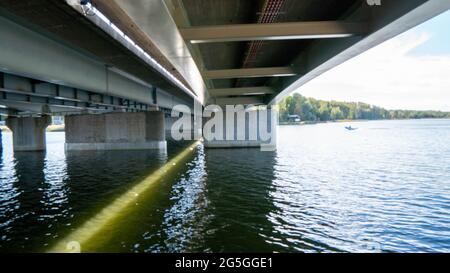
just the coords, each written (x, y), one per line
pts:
(294, 118)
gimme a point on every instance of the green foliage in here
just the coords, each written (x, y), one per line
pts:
(310, 109)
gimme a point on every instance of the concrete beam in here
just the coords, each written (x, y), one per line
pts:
(241, 91)
(284, 71)
(273, 31)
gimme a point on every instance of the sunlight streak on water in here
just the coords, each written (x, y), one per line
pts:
(84, 235)
(185, 221)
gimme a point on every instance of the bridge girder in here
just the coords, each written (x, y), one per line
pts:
(287, 47)
(283, 71)
(239, 91)
(273, 31)
(35, 69)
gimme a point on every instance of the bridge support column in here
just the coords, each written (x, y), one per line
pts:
(241, 128)
(116, 131)
(28, 132)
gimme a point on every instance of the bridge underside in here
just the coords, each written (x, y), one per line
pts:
(56, 61)
(256, 52)
(60, 57)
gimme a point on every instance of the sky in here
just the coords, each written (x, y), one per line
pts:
(410, 71)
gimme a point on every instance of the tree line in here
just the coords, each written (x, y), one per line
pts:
(309, 109)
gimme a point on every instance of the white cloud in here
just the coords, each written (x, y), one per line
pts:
(389, 77)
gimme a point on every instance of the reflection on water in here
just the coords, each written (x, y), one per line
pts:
(383, 187)
(32, 196)
(9, 197)
(185, 220)
(239, 183)
(55, 200)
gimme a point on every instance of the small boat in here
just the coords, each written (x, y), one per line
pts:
(350, 128)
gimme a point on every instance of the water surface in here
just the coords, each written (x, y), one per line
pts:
(384, 187)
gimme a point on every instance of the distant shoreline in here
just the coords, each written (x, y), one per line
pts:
(60, 128)
(350, 120)
(50, 129)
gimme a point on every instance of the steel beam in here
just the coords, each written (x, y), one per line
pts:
(30, 54)
(16, 96)
(285, 71)
(273, 31)
(179, 14)
(241, 91)
(150, 21)
(7, 112)
(22, 89)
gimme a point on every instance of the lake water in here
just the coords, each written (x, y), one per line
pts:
(384, 187)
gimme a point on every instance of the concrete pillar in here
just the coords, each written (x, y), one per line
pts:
(116, 131)
(28, 132)
(245, 128)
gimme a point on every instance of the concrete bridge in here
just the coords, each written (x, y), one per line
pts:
(116, 68)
